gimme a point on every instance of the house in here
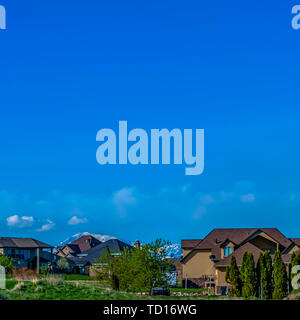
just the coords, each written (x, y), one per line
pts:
(27, 252)
(78, 246)
(204, 261)
(82, 262)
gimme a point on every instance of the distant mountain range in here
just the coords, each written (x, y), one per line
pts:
(75, 236)
(173, 250)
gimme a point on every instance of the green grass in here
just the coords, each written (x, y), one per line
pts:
(200, 290)
(71, 277)
(68, 290)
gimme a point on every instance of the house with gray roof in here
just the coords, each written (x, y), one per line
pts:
(82, 262)
(27, 252)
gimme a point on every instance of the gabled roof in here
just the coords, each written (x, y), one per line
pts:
(89, 256)
(74, 248)
(86, 242)
(238, 254)
(296, 241)
(27, 243)
(190, 244)
(239, 236)
(217, 236)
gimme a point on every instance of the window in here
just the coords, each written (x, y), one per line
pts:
(227, 251)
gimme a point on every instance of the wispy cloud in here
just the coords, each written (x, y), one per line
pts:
(20, 222)
(47, 226)
(247, 198)
(75, 220)
(122, 199)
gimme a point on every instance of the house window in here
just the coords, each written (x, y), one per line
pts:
(227, 251)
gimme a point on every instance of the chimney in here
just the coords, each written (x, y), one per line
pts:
(137, 244)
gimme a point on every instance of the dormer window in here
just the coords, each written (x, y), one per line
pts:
(227, 251)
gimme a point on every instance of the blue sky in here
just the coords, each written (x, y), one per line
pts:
(71, 68)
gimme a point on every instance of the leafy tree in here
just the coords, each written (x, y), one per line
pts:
(6, 262)
(280, 277)
(137, 268)
(248, 276)
(232, 276)
(63, 264)
(295, 260)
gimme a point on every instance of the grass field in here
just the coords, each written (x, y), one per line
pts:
(60, 289)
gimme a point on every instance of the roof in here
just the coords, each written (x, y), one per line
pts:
(112, 245)
(6, 242)
(74, 247)
(238, 254)
(238, 236)
(296, 241)
(190, 244)
(218, 236)
(86, 242)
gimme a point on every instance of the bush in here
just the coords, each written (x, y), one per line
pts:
(6, 262)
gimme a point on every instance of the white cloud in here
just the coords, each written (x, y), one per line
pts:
(75, 220)
(247, 198)
(122, 199)
(47, 226)
(20, 222)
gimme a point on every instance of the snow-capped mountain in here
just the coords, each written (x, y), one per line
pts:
(74, 237)
(174, 251)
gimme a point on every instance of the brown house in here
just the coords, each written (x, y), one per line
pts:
(78, 246)
(205, 260)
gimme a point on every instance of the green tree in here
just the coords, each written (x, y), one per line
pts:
(6, 262)
(63, 264)
(137, 268)
(232, 276)
(248, 276)
(268, 281)
(295, 260)
(260, 274)
(279, 277)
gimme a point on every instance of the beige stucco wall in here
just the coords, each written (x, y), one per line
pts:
(220, 273)
(293, 249)
(1, 251)
(198, 265)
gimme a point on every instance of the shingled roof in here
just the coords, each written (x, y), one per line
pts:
(89, 256)
(238, 254)
(217, 236)
(28, 243)
(86, 242)
(238, 236)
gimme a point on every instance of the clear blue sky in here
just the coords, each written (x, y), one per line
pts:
(70, 68)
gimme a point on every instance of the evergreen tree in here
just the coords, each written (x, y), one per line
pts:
(248, 276)
(260, 274)
(244, 264)
(232, 276)
(268, 280)
(279, 277)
